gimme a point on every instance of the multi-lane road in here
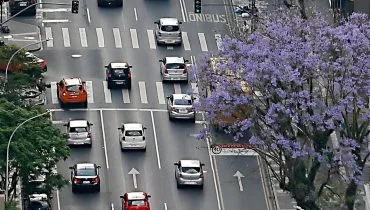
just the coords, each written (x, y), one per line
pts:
(82, 44)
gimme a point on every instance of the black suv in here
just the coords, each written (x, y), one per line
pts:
(85, 176)
(17, 5)
(118, 3)
(118, 74)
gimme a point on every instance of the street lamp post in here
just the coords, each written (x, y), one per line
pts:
(15, 53)
(7, 151)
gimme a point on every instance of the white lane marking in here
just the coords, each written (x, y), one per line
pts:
(112, 206)
(183, 11)
(54, 94)
(53, 9)
(125, 96)
(90, 92)
(58, 200)
(99, 33)
(165, 206)
(66, 41)
(151, 39)
(134, 40)
(83, 37)
(193, 62)
(177, 87)
(104, 140)
(155, 141)
(117, 38)
(49, 35)
(135, 14)
(218, 41)
(107, 93)
(142, 89)
(185, 41)
(203, 43)
(194, 88)
(55, 21)
(263, 183)
(169, 47)
(110, 109)
(160, 93)
(40, 4)
(88, 15)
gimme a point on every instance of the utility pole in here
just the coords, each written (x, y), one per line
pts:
(254, 13)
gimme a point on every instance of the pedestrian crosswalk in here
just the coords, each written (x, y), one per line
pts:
(112, 37)
(125, 96)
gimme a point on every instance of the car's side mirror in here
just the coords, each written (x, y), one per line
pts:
(98, 166)
(121, 197)
(202, 164)
(91, 123)
(180, 22)
(176, 164)
(106, 66)
(65, 124)
(143, 137)
(168, 97)
(48, 85)
(160, 60)
(156, 22)
(186, 60)
(50, 197)
(149, 196)
(71, 167)
(130, 66)
(119, 128)
(145, 128)
(83, 82)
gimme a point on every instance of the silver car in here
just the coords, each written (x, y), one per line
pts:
(79, 132)
(168, 31)
(189, 172)
(181, 106)
(173, 69)
(132, 136)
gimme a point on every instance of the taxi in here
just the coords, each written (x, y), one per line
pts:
(71, 91)
(135, 201)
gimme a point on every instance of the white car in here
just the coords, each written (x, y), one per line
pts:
(79, 132)
(132, 136)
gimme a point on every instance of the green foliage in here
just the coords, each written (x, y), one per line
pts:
(11, 206)
(36, 147)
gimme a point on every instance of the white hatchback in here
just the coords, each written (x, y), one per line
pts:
(132, 136)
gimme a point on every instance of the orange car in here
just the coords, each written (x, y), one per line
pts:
(71, 91)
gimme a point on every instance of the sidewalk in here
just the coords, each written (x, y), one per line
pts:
(21, 33)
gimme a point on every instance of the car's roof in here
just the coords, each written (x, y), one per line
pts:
(181, 96)
(77, 123)
(190, 163)
(169, 21)
(175, 60)
(133, 126)
(135, 195)
(72, 81)
(122, 65)
(85, 165)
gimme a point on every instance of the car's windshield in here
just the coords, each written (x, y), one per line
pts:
(86, 172)
(133, 133)
(170, 28)
(73, 88)
(77, 129)
(175, 66)
(136, 203)
(182, 102)
(190, 170)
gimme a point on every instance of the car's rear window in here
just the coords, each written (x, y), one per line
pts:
(133, 133)
(86, 172)
(73, 88)
(78, 129)
(175, 66)
(182, 102)
(190, 170)
(136, 202)
(120, 71)
(170, 28)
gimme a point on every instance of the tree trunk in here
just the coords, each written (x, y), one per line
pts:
(302, 9)
(350, 196)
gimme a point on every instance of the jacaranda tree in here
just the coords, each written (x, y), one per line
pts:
(288, 87)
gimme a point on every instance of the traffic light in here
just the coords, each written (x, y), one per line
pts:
(197, 6)
(75, 5)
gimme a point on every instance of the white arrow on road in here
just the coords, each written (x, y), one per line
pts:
(239, 176)
(134, 172)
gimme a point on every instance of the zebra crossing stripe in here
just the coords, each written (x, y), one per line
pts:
(66, 41)
(143, 96)
(49, 35)
(117, 38)
(160, 93)
(107, 93)
(185, 41)
(83, 37)
(151, 39)
(177, 88)
(125, 96)
(203, 42)
(54, 93)
(99, 33)
(90, 93)
(218, 41)
(134, 40)
(194, 88)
